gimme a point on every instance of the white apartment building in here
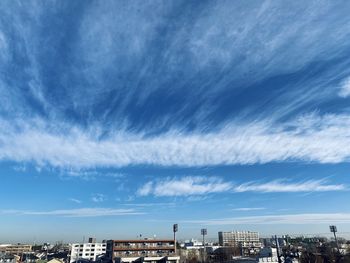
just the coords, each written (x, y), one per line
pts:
(86, 251)
(247, 241)
(235, 238)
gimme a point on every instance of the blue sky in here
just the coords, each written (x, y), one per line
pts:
(120, 118)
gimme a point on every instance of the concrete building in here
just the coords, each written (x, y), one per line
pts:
(235, 237)
(18, 249)
(247, 241)
(6, 258)
(147, 250)
(88, 251)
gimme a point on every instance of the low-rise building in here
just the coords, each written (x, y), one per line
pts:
(6, 258)
(88, 251)
(18, 249)
(147, 250)
(248, 242)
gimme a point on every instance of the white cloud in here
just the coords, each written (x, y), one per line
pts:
(345, 88)
(202, 185)
(244, 209)
(185, 186)
(81, 212)
(98, 198)
(280, 186)
(311, 138)
(314, 218)
(149, 204)
(20, 168)
(74, 200)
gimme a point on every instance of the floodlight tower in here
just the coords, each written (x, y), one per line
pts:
(333, 229)
(175, 229)
(203, 233)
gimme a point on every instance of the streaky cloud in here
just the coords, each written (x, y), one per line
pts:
(309, 138)
(280, 186)
(205, 185)
(345, 88)
(185, 186)
(74, 200)
(307, 218)
(81, 212)
(245, 209)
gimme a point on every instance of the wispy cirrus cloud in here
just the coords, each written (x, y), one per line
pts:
(215, 46)
(245, 209)
(308, 218)
(98, 198)
(83, 133)
(344, 90)
(81, 212)
(310, 138)
(204, 185)
(185, 186)
(74, 200)
(280, 186)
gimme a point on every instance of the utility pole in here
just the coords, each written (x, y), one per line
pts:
(203, 233)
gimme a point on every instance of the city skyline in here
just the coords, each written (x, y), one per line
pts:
(121, 118)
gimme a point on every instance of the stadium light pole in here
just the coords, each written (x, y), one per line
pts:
(175, 229)
(333, 229)
(203, 233)
(278, 250)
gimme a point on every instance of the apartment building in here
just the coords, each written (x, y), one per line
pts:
(18, 249)
(234, 238)
(88, 251)
(147, 250)
(248, 242)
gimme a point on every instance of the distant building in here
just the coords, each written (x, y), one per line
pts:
(18, 249)
(235, 237)
(147, 250)
(89, 251)
(6, 258)
(247, 241)
(193, 243)
(55, 260)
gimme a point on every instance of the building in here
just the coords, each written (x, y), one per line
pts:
(193, 243)
(88, 251)
(235, 237)
(147, 250)
(6, 258)
(18, 249)
(247, 241)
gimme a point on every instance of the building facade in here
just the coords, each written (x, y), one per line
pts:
(88, 251)
(247, 241)
(147, 250)
(18, 249)
(234, 238)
